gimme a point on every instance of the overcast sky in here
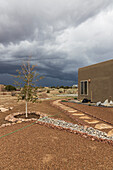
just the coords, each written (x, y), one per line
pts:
(60, 35)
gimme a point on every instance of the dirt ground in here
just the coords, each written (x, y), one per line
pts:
(40, 147)
(100, 112)
(42, 106)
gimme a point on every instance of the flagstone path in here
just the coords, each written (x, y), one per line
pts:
(98, 124)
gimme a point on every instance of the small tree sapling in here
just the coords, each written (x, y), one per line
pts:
(27, 78)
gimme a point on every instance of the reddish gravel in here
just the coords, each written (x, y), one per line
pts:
(39, 147)
(100, 112)
(44, 107)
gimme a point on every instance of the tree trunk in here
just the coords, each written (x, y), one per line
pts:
(26, 110)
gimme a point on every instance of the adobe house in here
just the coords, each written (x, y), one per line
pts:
(95, 82)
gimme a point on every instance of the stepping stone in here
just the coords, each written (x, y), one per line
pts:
(85, 117)
(110, 133)
(65, 108)
(19, 121)
(3, 109)
(103, 126)
(78, 114)
(72, 110)
(91, 121)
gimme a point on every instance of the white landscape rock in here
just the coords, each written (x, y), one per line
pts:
(98, 103)
(10, 108)
(111, 102)
(3, 109)
(105, 103)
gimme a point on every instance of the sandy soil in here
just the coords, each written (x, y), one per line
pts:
(39, 147)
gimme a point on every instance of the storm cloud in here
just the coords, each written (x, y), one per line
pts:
(60, 35)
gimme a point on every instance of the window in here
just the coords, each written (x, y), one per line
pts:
(84, 87)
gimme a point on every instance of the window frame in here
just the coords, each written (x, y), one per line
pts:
(83, 87)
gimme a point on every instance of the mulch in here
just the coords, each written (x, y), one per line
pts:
(40, 147)
(29, 116)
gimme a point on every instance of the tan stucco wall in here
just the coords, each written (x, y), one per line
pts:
(101, 84)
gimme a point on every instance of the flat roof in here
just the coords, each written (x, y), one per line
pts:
(97, 64)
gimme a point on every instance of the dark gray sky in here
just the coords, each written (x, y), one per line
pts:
(60, 35)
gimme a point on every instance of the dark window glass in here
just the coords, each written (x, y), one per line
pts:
(85, 87)
(82, 87)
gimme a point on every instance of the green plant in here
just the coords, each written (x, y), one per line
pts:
(10, 88)
(64, 101)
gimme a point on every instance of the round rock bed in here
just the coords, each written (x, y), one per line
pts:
(20, 117)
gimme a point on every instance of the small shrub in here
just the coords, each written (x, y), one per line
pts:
(64, 101)
(10, 88)
(48, 91)
(60, 91)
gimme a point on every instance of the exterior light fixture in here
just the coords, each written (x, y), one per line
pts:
(89, 80)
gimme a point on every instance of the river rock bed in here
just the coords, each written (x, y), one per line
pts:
(74, 127)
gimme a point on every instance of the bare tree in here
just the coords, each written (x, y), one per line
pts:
(27, 78)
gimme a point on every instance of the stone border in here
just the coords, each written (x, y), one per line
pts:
(40, 121)
(14, 120)
(83, 134)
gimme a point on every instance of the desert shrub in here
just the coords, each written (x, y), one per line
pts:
(62, 87)
(48, 91)
(10, 88)
(64, 101)
(60, 91)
